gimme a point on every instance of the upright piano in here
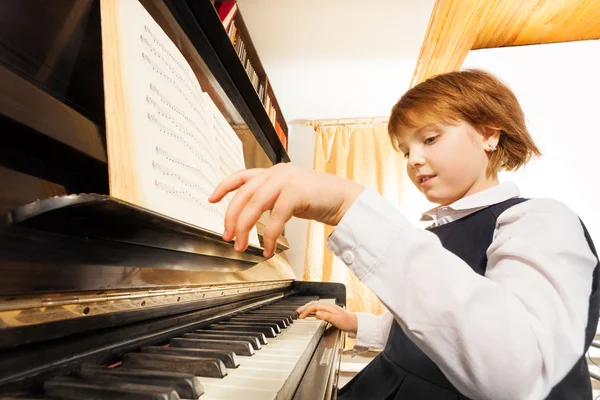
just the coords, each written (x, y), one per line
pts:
(103, 299)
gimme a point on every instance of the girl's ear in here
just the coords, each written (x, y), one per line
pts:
(491, 138)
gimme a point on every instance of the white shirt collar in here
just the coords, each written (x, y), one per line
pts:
(474, 202)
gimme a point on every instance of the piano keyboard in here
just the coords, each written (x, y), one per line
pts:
(258, 355)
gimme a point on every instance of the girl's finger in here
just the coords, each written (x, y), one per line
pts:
(318, 306)
(238, 203)
(335, 319)
(233, 182)
(263, 198)
(282, 212)
(301, 308)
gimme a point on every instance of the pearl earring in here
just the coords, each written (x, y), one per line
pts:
(493, 148)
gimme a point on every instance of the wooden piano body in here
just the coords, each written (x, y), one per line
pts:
(93, 289)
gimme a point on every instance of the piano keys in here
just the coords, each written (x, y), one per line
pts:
(186, 367)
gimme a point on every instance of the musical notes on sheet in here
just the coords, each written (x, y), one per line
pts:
(181, 145)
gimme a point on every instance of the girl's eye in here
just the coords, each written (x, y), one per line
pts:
(406, 155)
(430, 140)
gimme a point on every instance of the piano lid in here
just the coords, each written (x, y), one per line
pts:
(56, 46)
(53, 142)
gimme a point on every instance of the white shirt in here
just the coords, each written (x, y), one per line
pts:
(513, 334)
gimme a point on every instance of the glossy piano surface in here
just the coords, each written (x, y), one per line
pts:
(56, 45)
(53, 143)
(212, 354)
(104, 294)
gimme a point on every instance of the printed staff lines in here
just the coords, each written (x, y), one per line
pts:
(193, 170)
(223, 162)
(170, 80)
(224, 134)
(174, 108)
(185, 195)
(163, 129)
(172, 174)
(162, 46)
(165, 114)
(228, 162)
(185, 84)
(225, 173)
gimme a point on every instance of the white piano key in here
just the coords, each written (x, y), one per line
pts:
(276, 357)
(270, 364)
(269, 373)
(232, 392)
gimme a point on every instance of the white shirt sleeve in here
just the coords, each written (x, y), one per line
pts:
(512, 334)
(373, 331)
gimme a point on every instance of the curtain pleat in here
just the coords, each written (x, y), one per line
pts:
(363, 153)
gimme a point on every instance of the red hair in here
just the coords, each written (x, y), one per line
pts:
(473, 96)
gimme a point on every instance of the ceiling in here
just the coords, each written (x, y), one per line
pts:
(337, 58)
(520, 22)
(459, 26)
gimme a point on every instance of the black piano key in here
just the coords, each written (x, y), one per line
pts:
(274, 313)
(253, 341)
(298, 299)
(287, 303)
(76, 389)
(279, 321)
(227, 357)
(268, 324)
(286, 318)
(239, 347)
(288, 308)
(288, 311)
(267, 330)
(285, 307)
(291, 312)
(210, 367)
(262, 339)
(188, 386)
(291, 304)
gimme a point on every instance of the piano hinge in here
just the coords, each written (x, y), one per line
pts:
(120, 301)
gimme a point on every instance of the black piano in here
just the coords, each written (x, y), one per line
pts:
(103, 299)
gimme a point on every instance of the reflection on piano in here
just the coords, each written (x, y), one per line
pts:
(103, 299)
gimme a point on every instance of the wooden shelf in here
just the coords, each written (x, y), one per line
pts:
(257, 64)
(200, 22)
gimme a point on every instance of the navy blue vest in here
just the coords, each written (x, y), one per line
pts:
(403, 371)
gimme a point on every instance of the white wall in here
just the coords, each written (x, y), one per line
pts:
(558, 87)
(337, 58)
(301, 142)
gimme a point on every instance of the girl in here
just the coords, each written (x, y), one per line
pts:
(496, 300)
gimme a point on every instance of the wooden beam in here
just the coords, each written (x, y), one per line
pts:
(459, 26)
(453, 28)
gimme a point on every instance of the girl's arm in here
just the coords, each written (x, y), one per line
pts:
(371, 331)
(513, 334)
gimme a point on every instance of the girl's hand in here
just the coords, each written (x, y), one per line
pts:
(287, 191)
(335, 315)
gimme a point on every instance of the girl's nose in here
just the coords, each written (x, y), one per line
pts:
(415, 159)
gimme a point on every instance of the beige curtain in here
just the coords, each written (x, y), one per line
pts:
(362, 152)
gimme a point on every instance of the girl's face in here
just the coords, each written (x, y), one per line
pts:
(447, 162)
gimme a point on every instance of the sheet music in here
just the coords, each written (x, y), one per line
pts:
(183, 145)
